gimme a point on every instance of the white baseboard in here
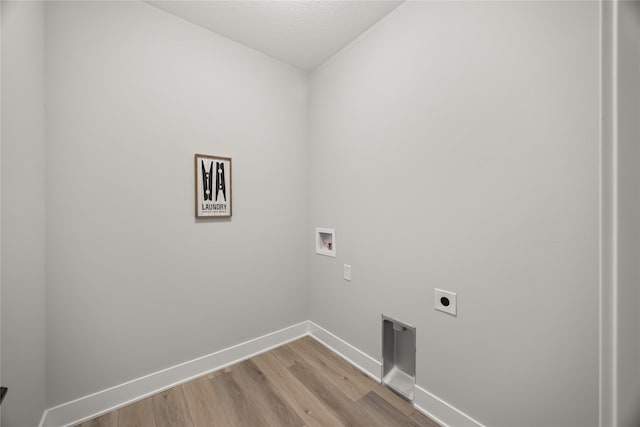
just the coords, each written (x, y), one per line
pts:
(44, 417)
(440, 411)
(96, 404)
(87, 407)
(351, 354)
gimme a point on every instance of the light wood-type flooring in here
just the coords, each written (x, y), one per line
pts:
(299, 384)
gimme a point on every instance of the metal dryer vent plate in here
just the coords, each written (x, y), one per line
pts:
(399, 357)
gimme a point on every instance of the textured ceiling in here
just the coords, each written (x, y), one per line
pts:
(302, 33)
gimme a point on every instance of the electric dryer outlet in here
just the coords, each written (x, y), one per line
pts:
(446, 301)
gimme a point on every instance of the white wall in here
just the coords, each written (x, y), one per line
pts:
(628, 115)
(455, 145)
(134, 283)
(23, 200)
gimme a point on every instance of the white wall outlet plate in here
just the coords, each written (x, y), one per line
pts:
(445, 301)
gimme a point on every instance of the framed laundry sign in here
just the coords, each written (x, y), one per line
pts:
(213, 186)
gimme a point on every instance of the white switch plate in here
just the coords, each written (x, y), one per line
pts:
(446, 301)
(347, 272)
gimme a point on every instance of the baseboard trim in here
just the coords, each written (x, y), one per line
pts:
(440, 411)
(96, 404)
(351, 354)
(43, 418)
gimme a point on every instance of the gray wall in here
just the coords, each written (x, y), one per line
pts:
(23, 207)
(134, 283)
(455, 145)
(629, 213)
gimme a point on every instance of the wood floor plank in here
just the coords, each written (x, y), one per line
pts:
(399, 403)
(307, 406)
(329, 354)
(422, 420)
(204, 405)
(170, 409)
(107, 420)
(336, 369)
(214, 374)
(303, 383)
(139, 414)
(384, 413)
(285, 356)
(238, 406)
(331, 396)
(274, 408)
